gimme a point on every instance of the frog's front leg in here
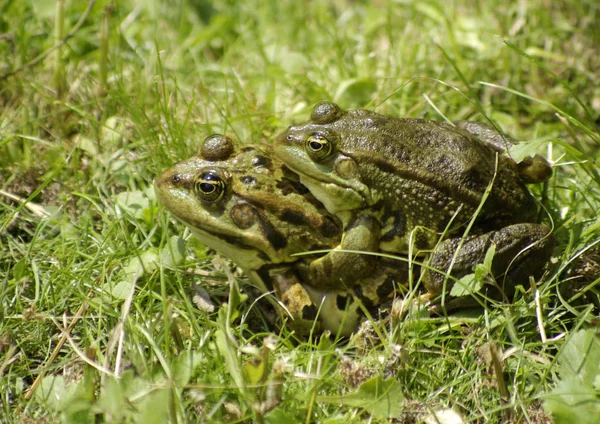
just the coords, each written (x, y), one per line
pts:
(343, 270)
(522, 250)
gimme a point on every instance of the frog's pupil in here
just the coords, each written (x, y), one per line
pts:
(207, 187)
(315, 145)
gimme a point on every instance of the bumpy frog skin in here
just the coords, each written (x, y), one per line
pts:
(402, 182)
(252, 209)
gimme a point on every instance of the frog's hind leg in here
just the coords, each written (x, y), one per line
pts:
(521, 251)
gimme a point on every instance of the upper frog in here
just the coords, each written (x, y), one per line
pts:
(413, 172)
(252, 209)
(406, 181)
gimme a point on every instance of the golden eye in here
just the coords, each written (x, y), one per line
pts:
(209, 187)
(318, 146)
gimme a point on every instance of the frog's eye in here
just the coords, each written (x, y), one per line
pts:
(209, 187)
(318, 146)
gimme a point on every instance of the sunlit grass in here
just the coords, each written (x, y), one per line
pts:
(140, 84)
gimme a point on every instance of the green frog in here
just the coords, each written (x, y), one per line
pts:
(252, 209)
(401, 185)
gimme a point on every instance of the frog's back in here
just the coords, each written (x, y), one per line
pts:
(435, 166)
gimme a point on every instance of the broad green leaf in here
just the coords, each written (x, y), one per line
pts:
(468, 284)
(120, 290)
(254, 371)
(573, 402)
(113, 400)
(277, 416)
(155, 407)
(132, 271)
(44, 9)
(86, 144)
(489, 257)
(294, 63)
(51, 390)
(576, 398)
(524, 150)
(481, 272)
(173, 253)
(580, 357)
(77, 411)
(381, 398)
(133, 202)
(229, 354)
(184, 366)
(110, 133)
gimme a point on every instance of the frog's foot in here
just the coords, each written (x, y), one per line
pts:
(522, 250)
(339, 312)
(340, 270)
(310, 309)
(298, 305)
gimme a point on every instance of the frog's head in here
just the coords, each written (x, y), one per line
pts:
(244, 204)
(317, 151)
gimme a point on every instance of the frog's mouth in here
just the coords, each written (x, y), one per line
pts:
(322, 180)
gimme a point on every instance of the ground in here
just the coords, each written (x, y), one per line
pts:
(96, 299)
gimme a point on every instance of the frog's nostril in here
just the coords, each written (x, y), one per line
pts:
(176, 178)
(289, 138)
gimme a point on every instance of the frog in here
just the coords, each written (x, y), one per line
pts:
(248, 206)
(531, 170)
(413, 186)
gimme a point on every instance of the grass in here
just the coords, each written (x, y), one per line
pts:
(134, 87)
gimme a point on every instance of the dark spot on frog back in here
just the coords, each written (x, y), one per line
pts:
(390, 156)
(287, 187)
(367, 303)
(398, 225)
(440, 163)
(273, 235)
(422, 240)
(342, 302)
(293, 217)
(328, 228)
(474, 179)
(265, 276)
(290, 183)
(386, 288)
(262, 162)
(325, 225)
(309, 312)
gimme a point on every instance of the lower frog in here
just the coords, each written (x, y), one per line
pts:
(398, 185)
(253, 210)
